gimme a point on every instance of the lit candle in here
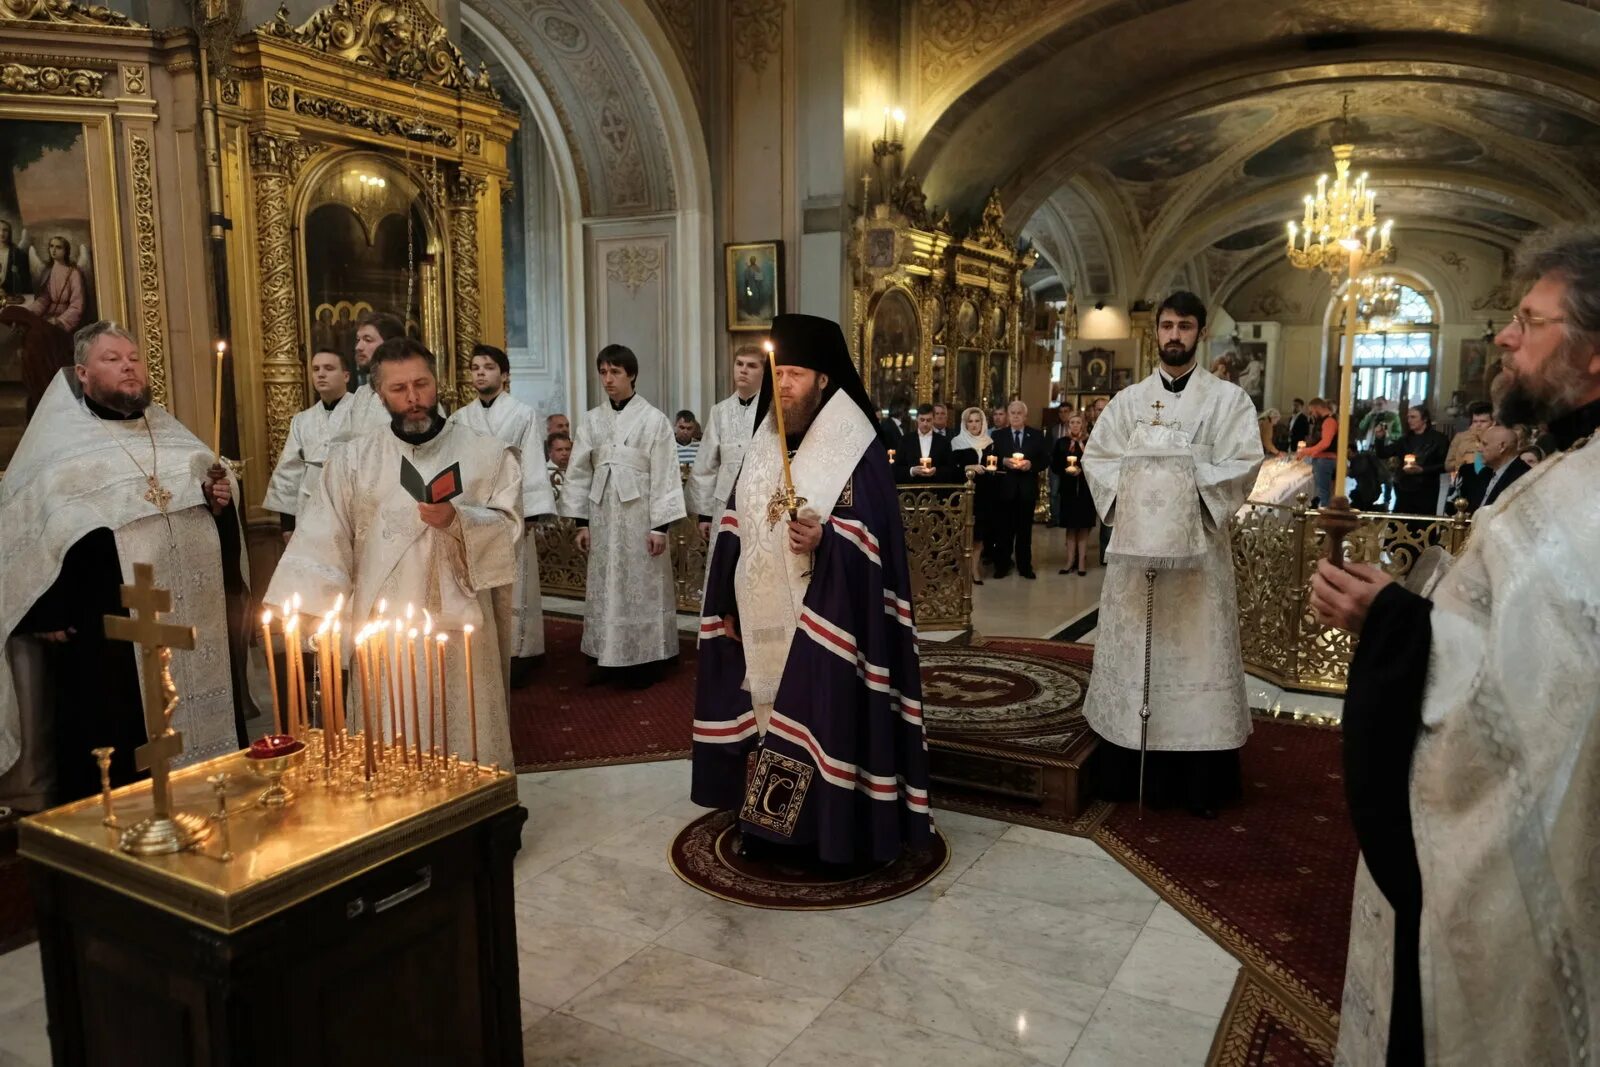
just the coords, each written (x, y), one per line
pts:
(427, 663)
(272, 670)
(472, 700)
(994, 461)
(444, 705)
(291, 671)
(216, 414)
(337, 664)
(1411, 459)
(927, 462)
(364, 669)
(1292, 230)
(416, 705)
(397, 709)
(324, 689)
(891, 455)
(1306, 222)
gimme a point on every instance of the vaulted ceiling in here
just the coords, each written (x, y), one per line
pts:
(1142, 141)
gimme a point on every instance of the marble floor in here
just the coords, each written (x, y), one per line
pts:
(1030, 948)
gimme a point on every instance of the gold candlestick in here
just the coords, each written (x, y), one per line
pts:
(102, 756)
(472, 699)
(219, 785)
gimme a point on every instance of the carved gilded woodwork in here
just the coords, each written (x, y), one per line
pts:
(147, 266)
(64, 13)
(275, 162)
(967, 292)
(373, 120)
(465, 190)
(399, 38)
(1275, 551)
(20, 79)
(938, 525)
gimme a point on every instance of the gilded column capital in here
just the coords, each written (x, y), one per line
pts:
(465, 189)
(278, 154)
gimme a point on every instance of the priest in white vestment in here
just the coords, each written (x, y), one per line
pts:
(624, 490)
(104, 479)
(498, 414)
(727, 432)
(305, 451)
(1199, 717)
(368, 539)
(367, 408)
(1472, 735)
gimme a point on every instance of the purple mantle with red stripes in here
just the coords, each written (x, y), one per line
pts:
(844, 763)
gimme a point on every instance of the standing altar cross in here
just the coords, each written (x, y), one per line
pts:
(162, 832)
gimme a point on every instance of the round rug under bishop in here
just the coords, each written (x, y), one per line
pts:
(703, 855)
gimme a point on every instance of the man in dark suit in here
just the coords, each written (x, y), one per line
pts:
(1023, 453)
(1501, 466)
(1299, 424)
(897, 425)
(922, 441)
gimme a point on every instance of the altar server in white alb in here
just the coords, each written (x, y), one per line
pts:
(728, 431)
(305, 451)
(623, 489)
(372, 329)
(498, 414)
(1199, 717)
(369, 539)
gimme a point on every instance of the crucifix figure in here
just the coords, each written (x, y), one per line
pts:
(162, 832)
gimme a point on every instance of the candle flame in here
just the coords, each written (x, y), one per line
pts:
(409, 612)
(411, 634)
(383, 606)
(338, 604)
(222, 346)
(441, 637)
(467, 629)
(323, 628)
(427, 623)
(336, 627)
(766, 346)
(266, 617)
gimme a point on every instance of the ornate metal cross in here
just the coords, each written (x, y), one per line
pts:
(155, 639)
(1158, 405)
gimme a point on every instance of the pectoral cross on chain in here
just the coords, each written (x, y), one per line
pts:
(1158, 405)
(155, 639)
(157, 494)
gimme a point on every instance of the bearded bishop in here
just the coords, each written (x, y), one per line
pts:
(808, 705)
(624, 489)
(498, 414)
(368, 539)
(716, 464)
(1472, 735)
(311, 432)
(103, 479)
(1199, 717)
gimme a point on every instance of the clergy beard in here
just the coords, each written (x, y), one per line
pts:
(797, 417)
(1175, 355)
(1543, 395)
(123, 402)
(412, 423)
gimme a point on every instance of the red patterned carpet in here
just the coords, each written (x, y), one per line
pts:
(557, 721)
(1271, 880)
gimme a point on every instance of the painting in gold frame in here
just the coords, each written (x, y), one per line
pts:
(753, 274)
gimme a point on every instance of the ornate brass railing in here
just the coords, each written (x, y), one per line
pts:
(938, 524)
(1275, 550)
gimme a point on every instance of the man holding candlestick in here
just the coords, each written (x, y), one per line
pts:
(624, 489)
(502, 416)
(1169, 463)
(305, 452)
(808, 661)
(104, 479)
(369, 538)
(923, 457)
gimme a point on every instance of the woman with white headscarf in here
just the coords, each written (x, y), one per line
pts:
(968, 450)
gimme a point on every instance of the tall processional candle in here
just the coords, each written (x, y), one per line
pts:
(216, 413)
(472, 699)
(291, 674)
(272, 670)
(364, 682)
(397, 688)
(444, 705)
(324, 693)
(337, 644)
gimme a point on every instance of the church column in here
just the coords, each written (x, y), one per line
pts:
(464, 192)
(1142, 319)
(275, 162)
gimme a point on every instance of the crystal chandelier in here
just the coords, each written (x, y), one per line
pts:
(1339, 219)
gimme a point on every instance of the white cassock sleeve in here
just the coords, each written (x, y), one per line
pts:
(319, 563)
(1102, 456)
(283, 491)
(1236, 455)
(701, 490)
(487, 533)
(580, 474)
(666, 481)
(537, 496)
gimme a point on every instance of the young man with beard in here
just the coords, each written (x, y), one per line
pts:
(728, 429)
(102, 480)
(373, 328)
(368, 539)
(623, 489)
(1168, 464)
(305, 451)
(808, 706)
(1472, 734)
(498, 414)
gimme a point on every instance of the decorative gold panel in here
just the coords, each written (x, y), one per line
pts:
(63, 12)
(22, 80)
(152, 332)
(1275, 552)
(400, 38)
(938, 524)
